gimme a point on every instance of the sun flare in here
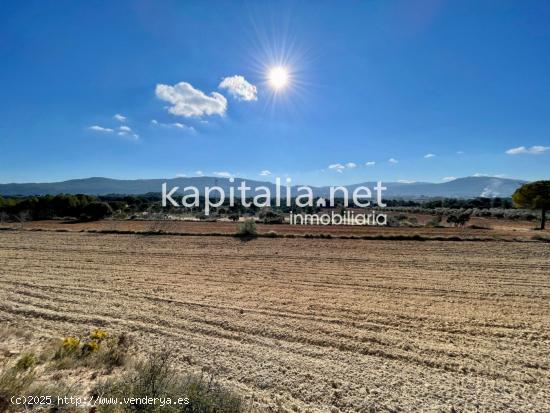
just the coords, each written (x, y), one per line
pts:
(278, 77)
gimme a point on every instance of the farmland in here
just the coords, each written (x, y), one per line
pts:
(486, 228)
(327, 325)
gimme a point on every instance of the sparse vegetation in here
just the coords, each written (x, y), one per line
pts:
(13, 381)
(21, 379)
(26, 362)
(157, 377)
(98, 349)
(247, 229)
(459, 219)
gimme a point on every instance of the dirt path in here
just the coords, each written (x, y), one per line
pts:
(306, 324)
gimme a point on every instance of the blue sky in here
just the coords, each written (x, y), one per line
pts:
(369, 81)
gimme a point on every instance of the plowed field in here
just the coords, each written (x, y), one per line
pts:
(306, 324)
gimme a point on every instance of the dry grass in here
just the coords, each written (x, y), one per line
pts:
(41, 369)
(306, 324)
(157, 377)
(41, 379)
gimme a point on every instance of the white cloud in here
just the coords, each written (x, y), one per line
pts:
(183, 127)
(180, 175)
(478, 174)
(533, 150)
(188, 102)
(370, 163)
(98, 128)
(176, 125)
(127, 132)
(338, 167)
(199, 173)
(223, 174)
(239, 88)
(405, 181)
(265, 173)
(429, 155)
(393, 160)
(448, 178)
(120, 117)
(128, 135)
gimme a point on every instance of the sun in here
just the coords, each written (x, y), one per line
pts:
(278, 77)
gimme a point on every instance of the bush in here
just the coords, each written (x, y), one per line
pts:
(25, 383)
(270, 217)
(247, 228)
(13, 382)
(97, 350)
(459, 219)
(435, 221)
(26, 362)
(95, 211)
(157, 377)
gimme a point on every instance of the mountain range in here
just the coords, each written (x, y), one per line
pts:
(468, 187)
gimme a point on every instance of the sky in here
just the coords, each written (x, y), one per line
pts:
(323, 92)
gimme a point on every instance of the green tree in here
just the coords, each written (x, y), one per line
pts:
(97, 210)
(534, 195)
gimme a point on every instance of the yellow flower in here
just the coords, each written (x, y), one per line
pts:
(90, 347)
(98, 334)
(70, 343)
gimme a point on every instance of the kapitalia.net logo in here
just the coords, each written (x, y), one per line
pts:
(285, 195)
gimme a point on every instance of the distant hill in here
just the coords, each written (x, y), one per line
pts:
(469, 187)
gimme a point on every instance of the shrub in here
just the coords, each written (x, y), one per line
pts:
(393, 222)
(459, 219)
(25, 383)
(26, 362)
(157, 377)
(97, 210)
(98, 334)
(69, 346)
(13, 382)
(435, 221)
(99, 350)
(89, 347)
(114, 352)
(247, 228)
(270, 217)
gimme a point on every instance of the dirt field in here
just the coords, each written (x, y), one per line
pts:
(494, 228)
(306, 324)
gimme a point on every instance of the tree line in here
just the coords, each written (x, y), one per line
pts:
(83, 207)
(535, 195)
